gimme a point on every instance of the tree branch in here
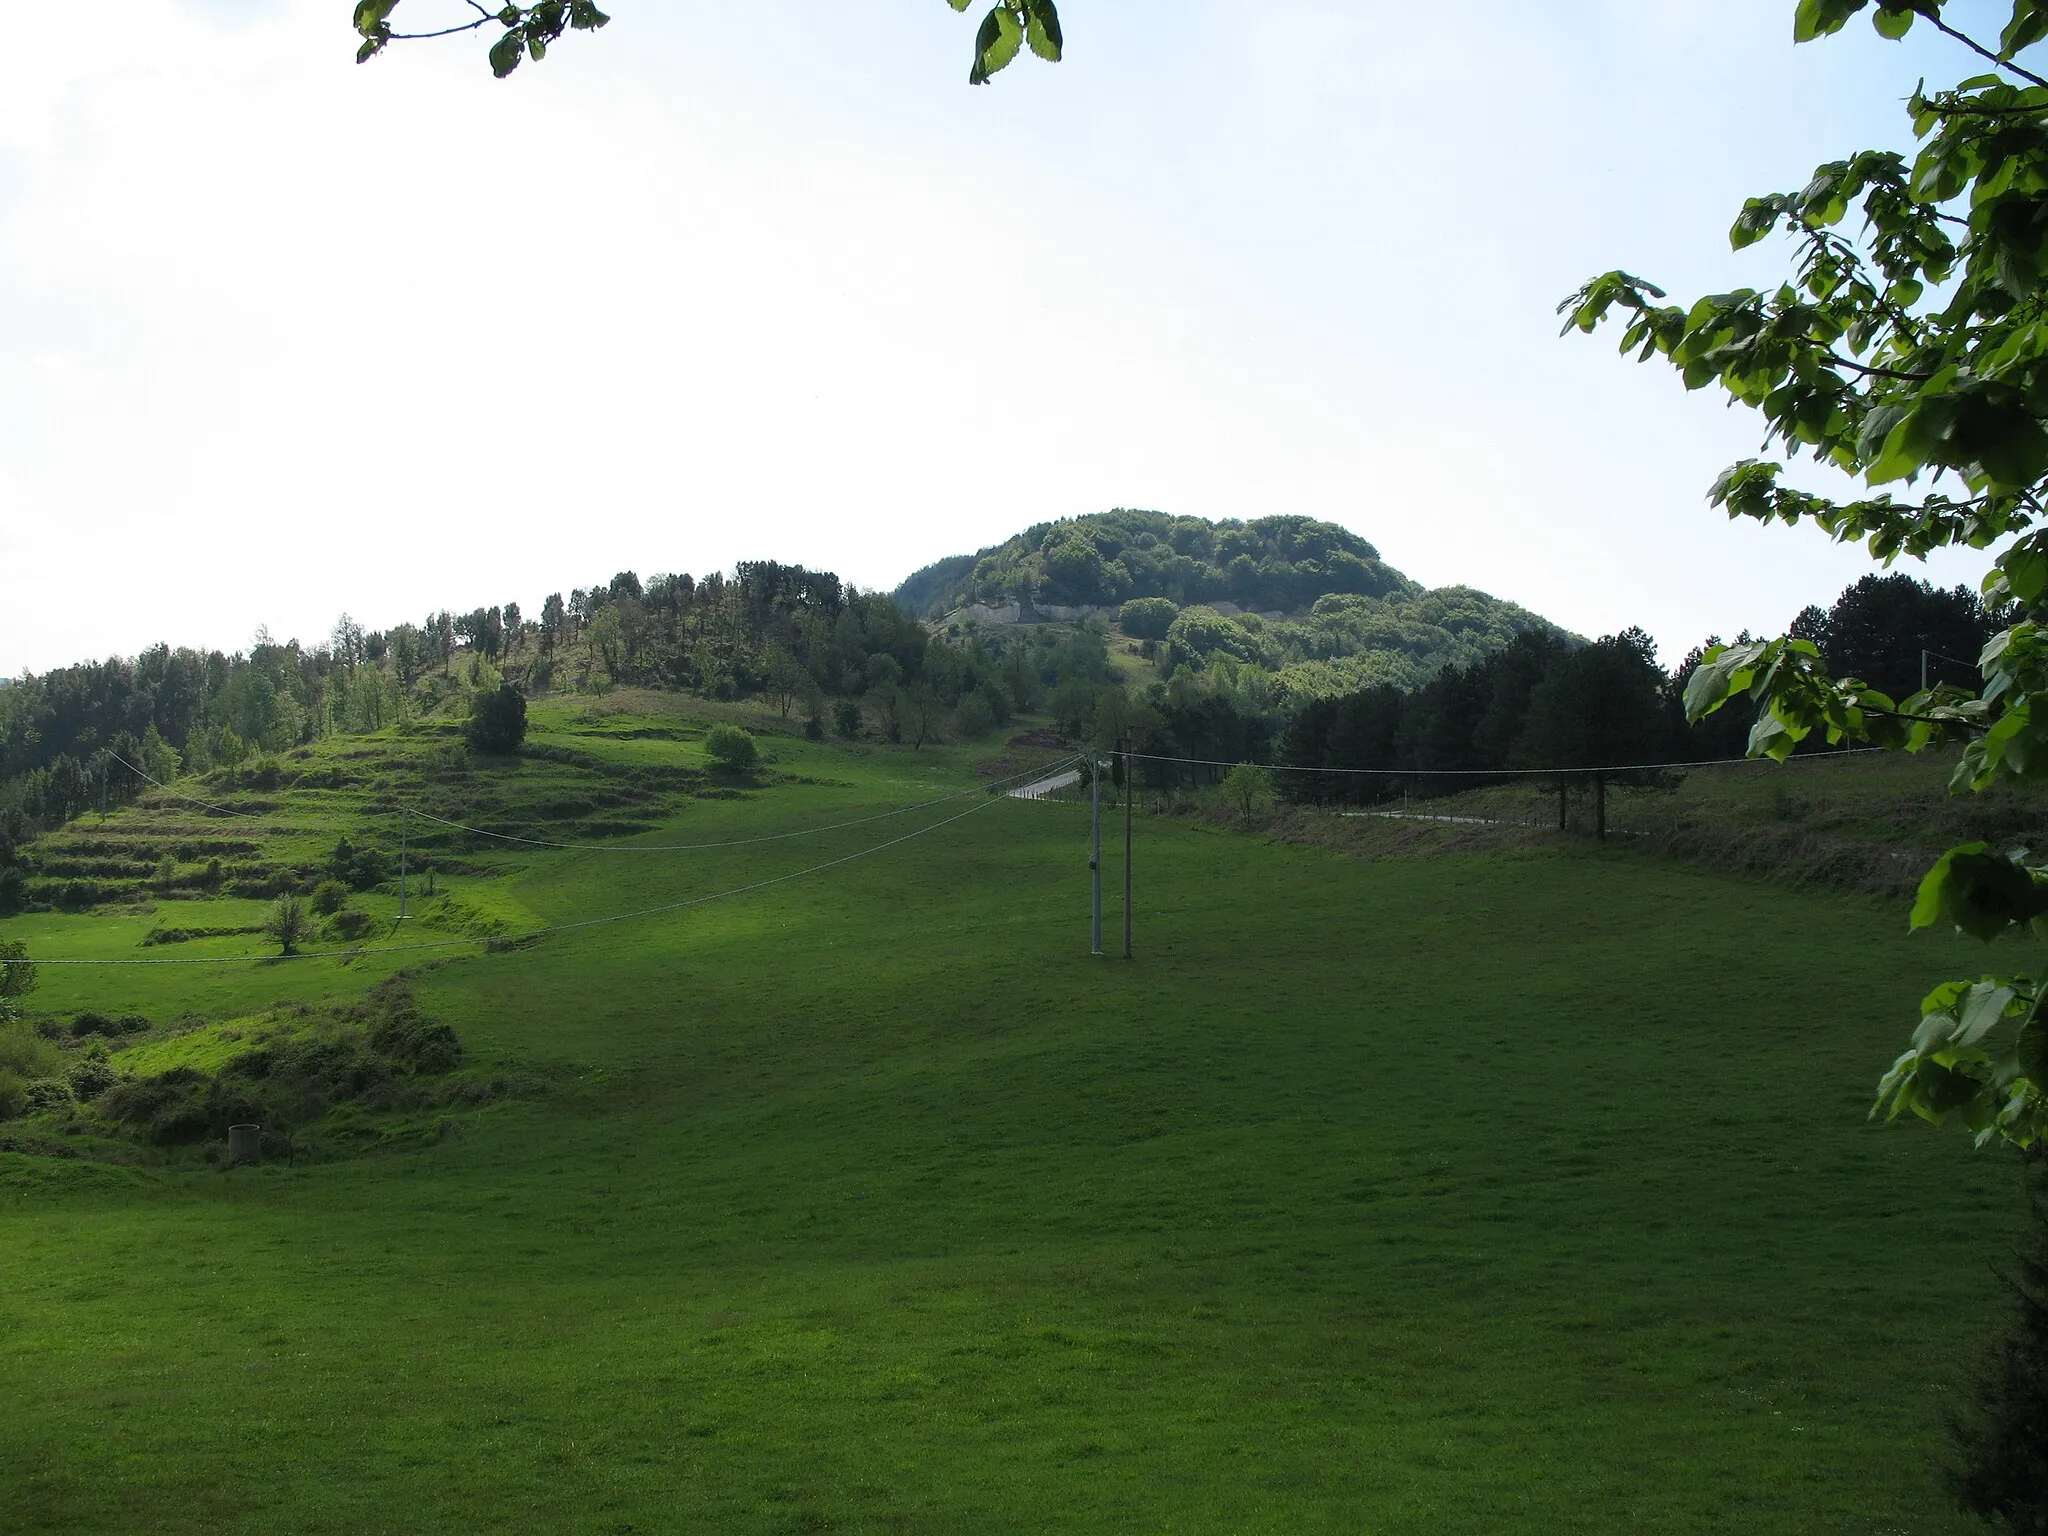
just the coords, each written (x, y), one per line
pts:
(1878, 373)
(1979, 49)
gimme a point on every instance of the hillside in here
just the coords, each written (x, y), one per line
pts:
(868, 1201)
(1306, 602)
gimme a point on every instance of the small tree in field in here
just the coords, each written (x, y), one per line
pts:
(731, 748)
(1248, 786)
(497, 721)
(287, 922)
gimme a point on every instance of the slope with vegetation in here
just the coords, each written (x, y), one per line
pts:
(789, 1214)
(1306, 603)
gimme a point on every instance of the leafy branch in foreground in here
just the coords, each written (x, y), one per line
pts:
(1912, 343)
(527, 31)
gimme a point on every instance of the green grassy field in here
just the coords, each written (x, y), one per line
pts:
(1527, 1191)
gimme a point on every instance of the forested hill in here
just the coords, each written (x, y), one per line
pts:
(1271, 564)
(1306, 605)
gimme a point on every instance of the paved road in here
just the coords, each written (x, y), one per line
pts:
(1044, 787)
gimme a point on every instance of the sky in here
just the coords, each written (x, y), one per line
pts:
(282, 336)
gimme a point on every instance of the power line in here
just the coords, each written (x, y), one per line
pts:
(531, 933)
(1496, 773)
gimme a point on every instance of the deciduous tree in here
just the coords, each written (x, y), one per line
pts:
(1907, 348)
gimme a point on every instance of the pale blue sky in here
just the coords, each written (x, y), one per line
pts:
(280, 336)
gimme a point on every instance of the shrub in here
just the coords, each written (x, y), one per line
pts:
(974, 715)
(92, 1077)
(86, 1024)
(497, 721)
(329, 897)
(13, 1095)
(425, 1045)
(1147, 618)
(846, 718)
(731, 748)
(350, 924)
(47, 1095)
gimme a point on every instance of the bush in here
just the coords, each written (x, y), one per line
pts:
(407, 1035)
(497, 721)
(350, 924)
(99, 1024)
(974, 715)
(329, 897)
(731, 748)
(1147, 618)
(92, 1077)
(47, 1095)
(846, 718)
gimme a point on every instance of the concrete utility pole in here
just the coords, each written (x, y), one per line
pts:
(404, 814)
(1095, 854)
(1130, 788)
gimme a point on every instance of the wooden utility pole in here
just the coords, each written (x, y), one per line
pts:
(1130, 789)
(1094, 854)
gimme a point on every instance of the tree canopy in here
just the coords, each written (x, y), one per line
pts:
(1905, 347)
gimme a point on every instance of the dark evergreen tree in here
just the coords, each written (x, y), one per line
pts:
(2002, 1436)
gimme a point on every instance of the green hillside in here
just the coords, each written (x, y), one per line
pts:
(868, 1201)
(1307, 603)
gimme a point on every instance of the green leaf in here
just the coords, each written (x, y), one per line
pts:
(995, 44)
(506, 53)
(2033, 1050)
(1817, 18)
(1985, 1006)
(1984, 894)
(1892, 24)
(1042, 29)
(1931, 899)
(372, 15)
(959, 5)
(2028, 26)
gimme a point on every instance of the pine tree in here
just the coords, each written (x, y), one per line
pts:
(2003, 1435)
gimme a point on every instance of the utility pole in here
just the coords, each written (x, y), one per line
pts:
(404, 814)
(1130, 789)
(1095, 854)
(1923, 669)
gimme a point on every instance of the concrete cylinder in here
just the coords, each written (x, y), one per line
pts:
(245, 1145)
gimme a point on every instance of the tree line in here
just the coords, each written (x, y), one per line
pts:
(839, 659)
(1541, 703)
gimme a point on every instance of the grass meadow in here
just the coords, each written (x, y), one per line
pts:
(1520, 1191)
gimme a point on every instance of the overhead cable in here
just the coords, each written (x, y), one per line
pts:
(1496, 773)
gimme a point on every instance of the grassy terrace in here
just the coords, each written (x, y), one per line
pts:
(1519, 1190)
